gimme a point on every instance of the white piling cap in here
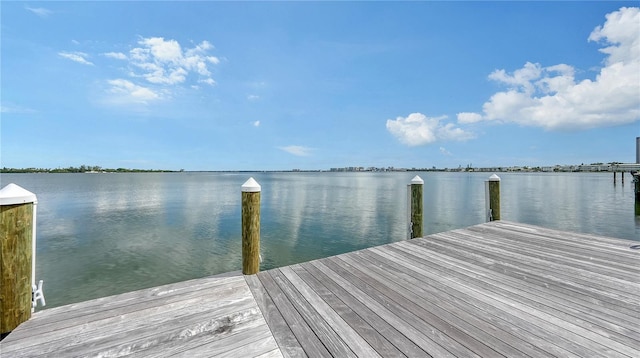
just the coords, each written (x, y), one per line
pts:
(251, 186)
(494, 178)
(13, 194)
(417, 180)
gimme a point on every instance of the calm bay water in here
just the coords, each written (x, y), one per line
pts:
(103, 234)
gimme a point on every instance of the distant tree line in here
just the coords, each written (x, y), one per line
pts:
(82, 169)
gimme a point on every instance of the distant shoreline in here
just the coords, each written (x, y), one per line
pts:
(597, 167)
(83, 170)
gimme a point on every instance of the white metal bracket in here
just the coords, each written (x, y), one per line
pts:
(37, 294)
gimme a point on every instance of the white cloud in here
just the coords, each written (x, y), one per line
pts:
(466, 117)
(79, 57)
(162, 50)
(209, 81)
(154, 65)
(549, 97)
(297, 150)
(444, 151)
(40, 11)
(253, 97)
(621, 32)
(12, 108)
(520, 78)
(165, 62)
(418, 129)
(256, 124)
(116, 55)
(127, 92)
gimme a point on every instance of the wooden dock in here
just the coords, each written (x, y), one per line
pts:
(491, 290)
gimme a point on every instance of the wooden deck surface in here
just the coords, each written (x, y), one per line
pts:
(198, 318)
(496, 289)
(491, 290)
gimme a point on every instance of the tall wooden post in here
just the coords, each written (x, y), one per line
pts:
(17, 255)
(250, 227)
(614, 177)
(416, 206)
(492, 198)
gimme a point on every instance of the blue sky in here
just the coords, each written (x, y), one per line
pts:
(313, 85)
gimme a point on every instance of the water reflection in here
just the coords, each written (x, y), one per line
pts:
(453, 200)
(101, 234)
(308, 216)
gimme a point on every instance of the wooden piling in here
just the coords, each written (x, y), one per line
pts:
(636, 190)
(17, 256)
(493, 198)
(250, 227)
(416, 207)
(614, 177)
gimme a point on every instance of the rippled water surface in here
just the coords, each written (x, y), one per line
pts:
(102, 234)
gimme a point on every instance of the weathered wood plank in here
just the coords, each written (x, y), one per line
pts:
(614, 291)
(455, 339)
(231, 335)
(553, 254)
(380, 325)
(377, 341)
(133, 335)
(514, 276)
(322, 329)
(538, 296)
(171, 318)
(433, 341)
(252, 342)
(495, 289)
(271, 354)
(515, 322)
(447, 306)
(618, 245)
(304, 335)
(571, 242)
(216, 302)
(105, 306)
(383, 310)
(541, 265)
(287, 342)
(567, 330)
(350, 337)
(576, 241)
